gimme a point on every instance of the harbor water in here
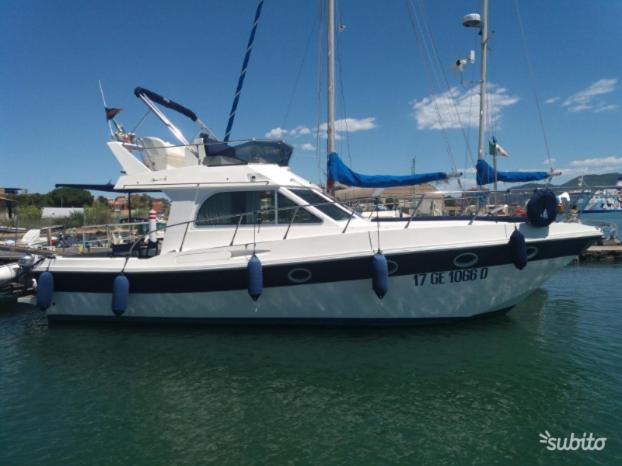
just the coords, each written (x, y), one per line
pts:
(479, 392)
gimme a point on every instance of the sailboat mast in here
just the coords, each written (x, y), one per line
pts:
(330, 29)
(482, 82)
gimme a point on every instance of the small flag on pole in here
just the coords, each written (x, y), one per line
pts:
(112, 112)
(494, 148)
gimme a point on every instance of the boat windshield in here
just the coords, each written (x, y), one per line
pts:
(323, 204)
(220, 153)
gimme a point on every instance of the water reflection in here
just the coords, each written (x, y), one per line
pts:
(162, 395)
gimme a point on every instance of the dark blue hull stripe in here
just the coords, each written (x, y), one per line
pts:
(271, 321)
(601, 211)
(326, 271)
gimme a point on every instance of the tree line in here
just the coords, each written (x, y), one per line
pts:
(28, 208)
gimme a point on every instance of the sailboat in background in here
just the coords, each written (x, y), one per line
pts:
(487, 174)
(337, 170)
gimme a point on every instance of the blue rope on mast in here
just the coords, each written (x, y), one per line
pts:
(238, 91)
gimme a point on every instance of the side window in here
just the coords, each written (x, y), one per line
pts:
(226, 208)
(325, 205)
(288, 209)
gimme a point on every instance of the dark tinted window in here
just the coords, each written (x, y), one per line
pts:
(289, 209)
(226, 208)
(322, 204)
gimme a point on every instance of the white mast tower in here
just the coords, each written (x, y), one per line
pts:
(481, 22)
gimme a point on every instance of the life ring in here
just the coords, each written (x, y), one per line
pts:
(542, 208)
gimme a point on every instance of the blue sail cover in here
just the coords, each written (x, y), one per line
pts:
(340, 173)
(486, 175)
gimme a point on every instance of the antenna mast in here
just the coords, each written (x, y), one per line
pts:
(101, 90)
(482, 83)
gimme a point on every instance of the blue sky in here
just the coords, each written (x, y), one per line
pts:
(54, 52)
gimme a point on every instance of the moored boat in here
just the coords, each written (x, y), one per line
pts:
(249, 241)
(315, 260)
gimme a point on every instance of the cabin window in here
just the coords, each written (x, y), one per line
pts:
(288, 209)
(226, 208)
(323, 204)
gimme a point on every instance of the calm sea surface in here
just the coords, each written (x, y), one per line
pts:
(477, 392)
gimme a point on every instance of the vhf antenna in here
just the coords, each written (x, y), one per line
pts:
(101, 90)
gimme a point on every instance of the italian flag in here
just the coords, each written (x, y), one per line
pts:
(494, 148)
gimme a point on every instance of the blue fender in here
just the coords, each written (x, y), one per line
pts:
(518, 249)
(255, 277)
(45, 290)
(120, 294)
(380, 274)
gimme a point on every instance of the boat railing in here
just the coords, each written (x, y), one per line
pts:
(256, 215)
(196, 145)
(411, 205)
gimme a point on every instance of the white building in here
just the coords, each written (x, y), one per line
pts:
(60, 212)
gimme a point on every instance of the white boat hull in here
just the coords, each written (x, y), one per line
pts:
(418, 298)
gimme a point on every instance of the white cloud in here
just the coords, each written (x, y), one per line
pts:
(596, 165)
(307, 146)
(590, 98)
(351, 125)
(605, 108)
(300, 131)
(276, 133)
(552, 100)
(454, 107)
(549, 162)
(598, 162)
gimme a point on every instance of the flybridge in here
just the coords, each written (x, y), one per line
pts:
(205, 149)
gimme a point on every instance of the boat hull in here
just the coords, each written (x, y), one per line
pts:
(422, 297)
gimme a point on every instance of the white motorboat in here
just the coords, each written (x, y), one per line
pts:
(602, 201)
(232, 203)
(249, 241)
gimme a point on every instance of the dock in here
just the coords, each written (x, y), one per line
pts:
(605, 253)
(9, 256)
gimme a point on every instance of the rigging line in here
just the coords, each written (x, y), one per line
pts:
(448, 86)
(342, 87)
(299, 73)
(471, 132)
(343, 104)
(532, 76)
(427, 72)
(470, 116)
(489, 123)
(141, 121)
(247, 56)
(490, 99)
(420, 44)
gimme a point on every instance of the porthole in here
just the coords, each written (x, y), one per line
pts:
(532, 252)
(466, 259)
(393, 266)
(299, 275)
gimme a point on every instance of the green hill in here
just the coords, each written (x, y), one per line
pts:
(606, 179)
